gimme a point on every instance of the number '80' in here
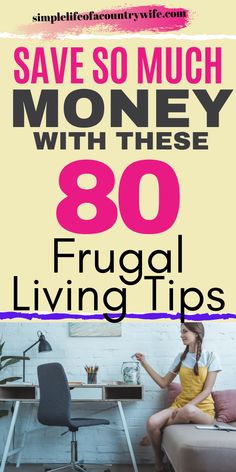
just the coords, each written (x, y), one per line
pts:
(168, 197)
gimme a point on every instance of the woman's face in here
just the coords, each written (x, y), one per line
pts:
(187, 336)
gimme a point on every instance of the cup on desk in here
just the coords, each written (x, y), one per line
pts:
(91, 374)
(92, 378)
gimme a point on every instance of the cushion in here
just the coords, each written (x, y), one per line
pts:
(225, 405)
(193, 450)
(224, 400)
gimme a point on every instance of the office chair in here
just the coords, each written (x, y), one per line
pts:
(55, 408)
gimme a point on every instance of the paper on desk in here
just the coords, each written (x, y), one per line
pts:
(217, 427)
(18, 384)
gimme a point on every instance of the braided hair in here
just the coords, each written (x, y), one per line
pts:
(198, 329)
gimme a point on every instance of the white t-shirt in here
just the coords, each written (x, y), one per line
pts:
(208, 358)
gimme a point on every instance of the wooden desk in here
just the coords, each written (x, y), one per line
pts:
(108, 393)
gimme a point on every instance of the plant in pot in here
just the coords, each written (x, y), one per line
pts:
(6, 361)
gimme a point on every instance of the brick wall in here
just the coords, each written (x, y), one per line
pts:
(160, 342)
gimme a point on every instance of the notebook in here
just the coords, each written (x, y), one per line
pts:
(217, 427)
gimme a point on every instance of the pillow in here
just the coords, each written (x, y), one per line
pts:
(225, 405)
(174, 390)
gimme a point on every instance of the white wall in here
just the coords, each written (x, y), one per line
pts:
(159, 341)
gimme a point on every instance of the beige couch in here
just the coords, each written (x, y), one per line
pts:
(192, 450)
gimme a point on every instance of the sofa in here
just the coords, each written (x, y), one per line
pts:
(189, 449)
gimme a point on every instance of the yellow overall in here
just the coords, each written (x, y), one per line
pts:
(192, 385)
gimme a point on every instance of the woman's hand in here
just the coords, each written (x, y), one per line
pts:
(140, 357)
(161, 381)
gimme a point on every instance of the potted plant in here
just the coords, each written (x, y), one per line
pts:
(6, 361)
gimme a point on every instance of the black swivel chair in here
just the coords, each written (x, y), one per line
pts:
(55, 407)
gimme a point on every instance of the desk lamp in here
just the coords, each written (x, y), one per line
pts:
(43, 347)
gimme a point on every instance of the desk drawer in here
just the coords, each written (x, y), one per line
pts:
(15, 392)
(123, 392)
(86, 393)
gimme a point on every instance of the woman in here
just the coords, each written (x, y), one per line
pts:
(197, 369)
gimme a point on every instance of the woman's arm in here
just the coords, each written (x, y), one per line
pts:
(207, 389)
(159, 379)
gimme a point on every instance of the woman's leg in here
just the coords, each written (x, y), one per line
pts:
(154, 426)
(186, 414)
(191, 414)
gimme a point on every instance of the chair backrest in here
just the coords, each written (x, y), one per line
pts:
(55, 400)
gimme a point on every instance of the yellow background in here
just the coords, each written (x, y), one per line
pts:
(29, 178)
